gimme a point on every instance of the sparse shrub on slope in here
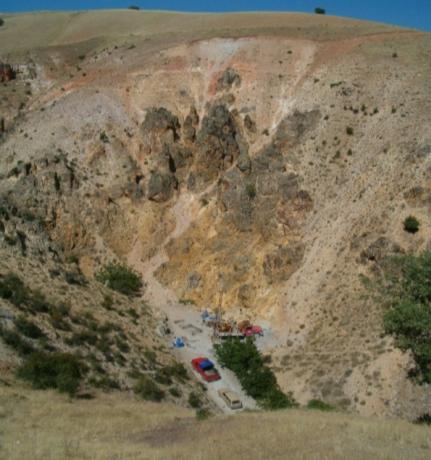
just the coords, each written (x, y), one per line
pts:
(406, 289)
(13, 289)
(147, 389)
(62, 371)
(317, 404)
(411, 224)
(1, 22)
(28, 328)
(319, 10)
(121, 278)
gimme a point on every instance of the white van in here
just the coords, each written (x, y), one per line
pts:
(230, 398)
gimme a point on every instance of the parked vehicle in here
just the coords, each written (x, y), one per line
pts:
(248, 329)
(230, 398)
(206, 369)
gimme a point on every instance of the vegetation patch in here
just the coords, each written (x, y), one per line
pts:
(411, 224)
(147, 389)
(62, 371)
(317, 404)
(255, 376)
(121, 278)
(405, 289)
(28, 328)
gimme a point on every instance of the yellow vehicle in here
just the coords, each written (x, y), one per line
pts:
(230, 398)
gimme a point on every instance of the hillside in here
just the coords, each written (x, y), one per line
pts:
(271, 158)
(46, 426)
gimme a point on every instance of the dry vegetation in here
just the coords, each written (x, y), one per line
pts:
(45, 426)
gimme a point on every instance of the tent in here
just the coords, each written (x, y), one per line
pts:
(178, 342)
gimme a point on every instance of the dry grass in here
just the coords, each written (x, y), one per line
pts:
(45, 425)
(30, 30)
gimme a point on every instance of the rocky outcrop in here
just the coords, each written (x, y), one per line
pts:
(230, 78)
(279, 264)
(7, 73)
(161, 186)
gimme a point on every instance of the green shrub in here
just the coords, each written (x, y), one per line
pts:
(174, 391)
(104, 382)
(120, 278)
(424, 419)
(406, 289)
(250, 189)
(38, 303)
(194, 400)
(411, 224)
(134, 7)
(15, 341)
(319, 10)
(104, 137)
(147, 389)
(319, 405)
(107, 302)
(62, 371)
(13, 289)
(349, 131)
(28, 328)
(1, 22)
(256, 378)
(202, 414)
(82, 338)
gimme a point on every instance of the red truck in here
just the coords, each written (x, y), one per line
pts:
(206, 369)
(248, 329)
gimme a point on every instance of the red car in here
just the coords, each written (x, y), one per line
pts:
(206, 369)
(253, 330)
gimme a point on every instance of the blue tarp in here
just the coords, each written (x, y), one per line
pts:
(178, 342)
(206, 364)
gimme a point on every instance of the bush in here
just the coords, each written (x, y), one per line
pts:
(194, 400)
(15, 341)
(38, 303)
(256, 378)
(319, 10)
(134, 7)
(62, 371)
(319, 405)
(28, 328)
(349, 131)
(406, 289)
(107, 302)
(13, 289)
(411, 224)
(1, 22)
(250, 189)
(174, 391)
(147, 389)
(424, 419)
(120, 278)
(202, 414)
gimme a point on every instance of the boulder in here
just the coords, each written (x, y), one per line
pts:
(281, 263)
(229, 78)
(161, 186)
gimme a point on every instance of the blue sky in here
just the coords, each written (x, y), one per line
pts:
(408, 13)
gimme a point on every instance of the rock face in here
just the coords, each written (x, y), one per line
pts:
(229, 79)
(7, 73)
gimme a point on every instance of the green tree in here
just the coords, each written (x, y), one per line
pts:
(121, 278)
